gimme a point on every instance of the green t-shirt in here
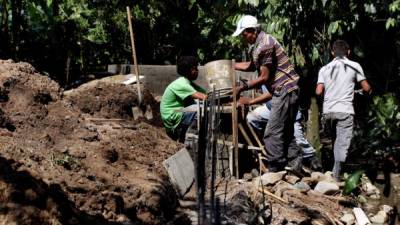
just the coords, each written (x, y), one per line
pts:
(174, 98)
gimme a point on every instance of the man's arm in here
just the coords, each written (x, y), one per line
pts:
(261, 79)
(199, 95)
(320, 89)
(243, 66)
(258, 100)
(365, 86)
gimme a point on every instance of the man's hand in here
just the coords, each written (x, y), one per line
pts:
(244, 101)
(238, 90)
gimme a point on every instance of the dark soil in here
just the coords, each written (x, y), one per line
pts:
(80, 158)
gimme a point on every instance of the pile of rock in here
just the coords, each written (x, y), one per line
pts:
(284, 198)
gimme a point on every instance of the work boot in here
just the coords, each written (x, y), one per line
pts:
(276, 166)
(337, 167)
(295, 167)
(312, 163)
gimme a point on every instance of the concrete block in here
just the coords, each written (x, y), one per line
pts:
(180, 168)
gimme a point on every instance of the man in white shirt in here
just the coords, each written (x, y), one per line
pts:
(336, 82)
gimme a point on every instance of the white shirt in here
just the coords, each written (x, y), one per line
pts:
(339, 78)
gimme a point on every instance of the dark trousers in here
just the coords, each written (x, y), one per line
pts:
(279, 140)
(179, 133)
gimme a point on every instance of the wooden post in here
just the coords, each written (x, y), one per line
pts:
(235, 122)
(312, 132)
(134, 54)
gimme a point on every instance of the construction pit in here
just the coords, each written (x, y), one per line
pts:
(80, 157)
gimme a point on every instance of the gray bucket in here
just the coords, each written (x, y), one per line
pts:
(218, 73)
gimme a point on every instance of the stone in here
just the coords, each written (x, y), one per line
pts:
(329, 176)
(302, 186)
(281, 187)
(348, 218)
(292, 179)
(386, 208)
(247, 176)
(326, 187)
(370, 189)
(361, 199)
(180, 168)
(380, 218)
(318, 176)
(272, 178)
(375, 196)
(255, 173)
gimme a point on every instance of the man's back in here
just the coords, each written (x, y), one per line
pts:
(269, 52)
(339, 78)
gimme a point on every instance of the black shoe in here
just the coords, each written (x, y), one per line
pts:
(275, 167)
(299, 172)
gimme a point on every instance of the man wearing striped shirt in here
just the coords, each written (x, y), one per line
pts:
(276, 72)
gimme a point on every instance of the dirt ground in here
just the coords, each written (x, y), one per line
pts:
(80, 158)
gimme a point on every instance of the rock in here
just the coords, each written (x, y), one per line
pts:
(255, 173)
(318, 176)
(272, 178)
(369, 189)
(247, 176)
(292, 179)
(326, 187)
(361, 199)
(329, 176)
(348, 218)
(375, 196)
(380, 218)
(302, 186)
(281, 187)
(386, 208)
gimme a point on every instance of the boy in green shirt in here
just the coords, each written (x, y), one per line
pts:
(179, 94)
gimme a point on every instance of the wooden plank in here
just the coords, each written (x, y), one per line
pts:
(235, 138)
(134, 54)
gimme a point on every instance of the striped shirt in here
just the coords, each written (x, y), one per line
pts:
(268, 52)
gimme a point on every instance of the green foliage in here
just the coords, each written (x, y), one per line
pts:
(352, 182)
(394, 9)
(384, 124)
(95, 33)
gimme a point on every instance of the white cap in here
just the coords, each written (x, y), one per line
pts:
(246, 21)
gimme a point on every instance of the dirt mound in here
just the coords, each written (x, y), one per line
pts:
(109, 100)
(84, 156)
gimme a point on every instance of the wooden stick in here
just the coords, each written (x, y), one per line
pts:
(262, 167)
(246, 137)
(257, 139)
(134, 54)
(235, 121)
(265, 191)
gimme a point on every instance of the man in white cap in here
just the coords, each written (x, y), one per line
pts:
(277, 75)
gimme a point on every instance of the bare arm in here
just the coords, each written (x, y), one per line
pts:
(243, 66)
(257, 100)
(199, 95)
(365, 86)
(261, 79)
(261, 99)
(320, 89)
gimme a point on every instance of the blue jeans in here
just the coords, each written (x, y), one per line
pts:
(179, 133)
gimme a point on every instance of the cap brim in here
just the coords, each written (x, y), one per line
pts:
(238, 32)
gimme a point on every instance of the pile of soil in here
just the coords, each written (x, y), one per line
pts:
(79, 158)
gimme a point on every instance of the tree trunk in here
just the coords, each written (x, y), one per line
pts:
(313, 126)
(4, 35)
(16, 26)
